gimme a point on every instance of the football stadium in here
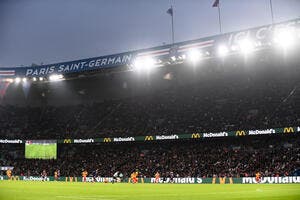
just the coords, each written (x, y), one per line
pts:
(211, 118)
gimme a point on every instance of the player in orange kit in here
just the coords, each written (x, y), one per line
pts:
(8, 174)
(257, 177)
(84, 175)
(157, 176)
(134, 177)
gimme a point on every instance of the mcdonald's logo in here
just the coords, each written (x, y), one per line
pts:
(67, 141)
(288, 130)
(195, 135)
(240, 133)
(148, 137)
(107, 139)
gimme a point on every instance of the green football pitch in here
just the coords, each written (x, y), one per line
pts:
(14, 190)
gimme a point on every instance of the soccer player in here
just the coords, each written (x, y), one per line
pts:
(120, 177)
(134, 177)
(44, 175)
(257, 177)
(115, 177)
(8, 174)
(95, 175)
(56, 175)
(157, 176)
(171, 177)
(84, 175)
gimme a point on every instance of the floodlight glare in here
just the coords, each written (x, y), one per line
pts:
(285, 38)
(24, 80)
(246, 46)
(234, 48)
(41, 78)
(223, 51)
(56, 77)
(17, 80)
(34, 79)
(173, 58)
(144, 63)
(194, 55)
(10, 80)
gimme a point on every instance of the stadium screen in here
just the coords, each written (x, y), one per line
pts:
(40, 149)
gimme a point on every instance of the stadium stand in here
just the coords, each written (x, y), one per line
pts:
(234, 99)
(242, 157)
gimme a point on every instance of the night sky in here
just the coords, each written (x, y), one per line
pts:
(50, 31)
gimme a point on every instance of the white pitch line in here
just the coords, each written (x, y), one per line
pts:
(82, 197)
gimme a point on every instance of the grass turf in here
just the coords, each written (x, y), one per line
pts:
(15, 190)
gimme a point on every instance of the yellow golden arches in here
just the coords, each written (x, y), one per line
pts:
(67, 141)
(196, 135)
(288, 130)
(240, 133)
(107, 140)
(148, 137)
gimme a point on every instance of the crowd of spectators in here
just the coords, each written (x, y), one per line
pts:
(222, 105)
(235, 157)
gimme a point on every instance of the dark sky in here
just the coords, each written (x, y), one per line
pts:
(50, 31)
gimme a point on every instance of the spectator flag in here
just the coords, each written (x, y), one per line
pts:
(170, 11)
(216, 3)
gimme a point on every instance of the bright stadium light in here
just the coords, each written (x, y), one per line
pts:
(246, 46)
(56, 77)
(234, 47)
(17, 80)
(34, 79)
(24, 80)
(285, 38)
(194, 55)
(10, 80)
(173, 58)
(144, 63)
(222, 51)
(41, 79)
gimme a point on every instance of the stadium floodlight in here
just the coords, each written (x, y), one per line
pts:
(34, 79)
(234, 47)
(246, 46)
(173, 58)
(258, 44)
(56, 77)
(24, 80)
(41, 79)
(10, 80)
(194, 55)
(17, 80)
(144, 63)
(222, 51)
(285, 37)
